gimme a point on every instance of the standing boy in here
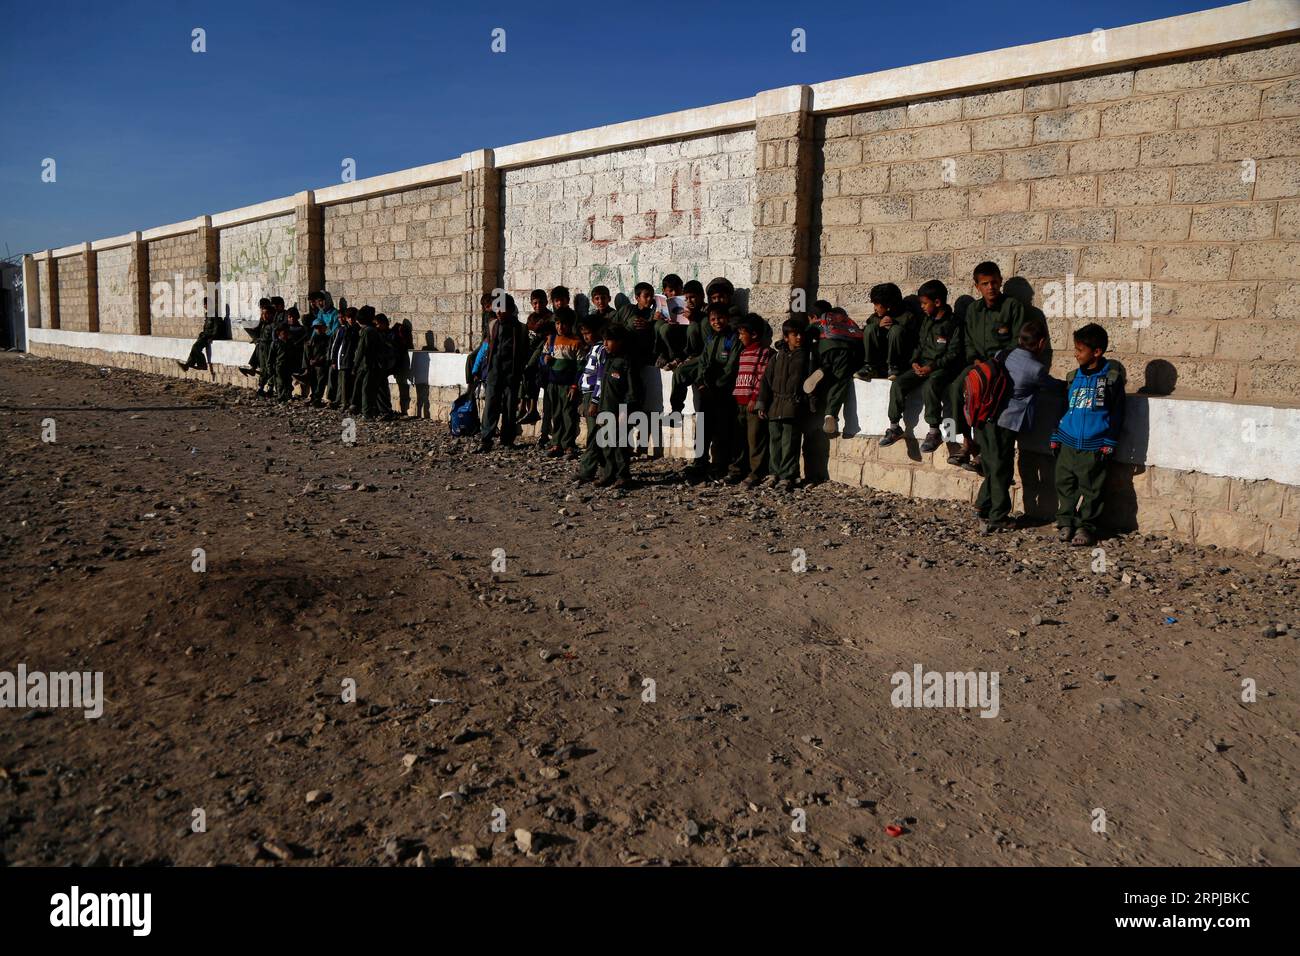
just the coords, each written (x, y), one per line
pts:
(997, 436)
(620, 394)
(593, 335)
(318, 360)
(784, 404)
(716, 411)
(507, 353)
(1087, 436)
(562, 365)
(993, 323)
(749, 463)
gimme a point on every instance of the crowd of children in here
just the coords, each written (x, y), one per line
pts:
(979, 365)
(341, 356)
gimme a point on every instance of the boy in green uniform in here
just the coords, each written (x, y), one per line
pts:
(213, 326)
(716, 411)
(367, 362)
(839, 352)
(318, 361)
(619, 394)
(784, 403)
(993, 323)
(1086, 437)
(639, 320)
(940, 351)
(890, 335)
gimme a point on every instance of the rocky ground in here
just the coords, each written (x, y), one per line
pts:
(504, 716)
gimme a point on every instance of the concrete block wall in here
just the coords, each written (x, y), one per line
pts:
(74, 295)
(1185, 175)
(263, 251)
(116, 277)
(402, 253)
(632, 215)
(169, 257)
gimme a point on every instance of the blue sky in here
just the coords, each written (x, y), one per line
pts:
(146, 132)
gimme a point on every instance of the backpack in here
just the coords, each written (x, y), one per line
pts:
(464, 415)
(988, 389)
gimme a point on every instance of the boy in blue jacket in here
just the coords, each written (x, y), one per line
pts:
(1086, 437)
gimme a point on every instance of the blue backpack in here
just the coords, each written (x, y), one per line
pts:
(464, 415)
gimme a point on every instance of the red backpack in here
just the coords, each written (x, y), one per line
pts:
(988, 389)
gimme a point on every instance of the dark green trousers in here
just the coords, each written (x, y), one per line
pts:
(785, 438)
(998, 456)
(887, 350)
(932, 387)
(198, 354)
(670, 340)
(562, 417)
(1079, 475)
(838, 363)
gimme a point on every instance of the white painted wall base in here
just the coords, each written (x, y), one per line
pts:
(1215, 438)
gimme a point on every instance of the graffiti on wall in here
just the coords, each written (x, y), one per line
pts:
(623, 281)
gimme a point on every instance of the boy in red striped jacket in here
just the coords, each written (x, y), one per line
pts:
(749, 463)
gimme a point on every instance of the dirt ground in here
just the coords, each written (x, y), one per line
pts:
(518, 699)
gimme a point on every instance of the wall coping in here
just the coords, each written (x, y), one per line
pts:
(116, 241)
(721, 117)
(262, 210)
(444, 171)
(176, 228)
(1190, 33)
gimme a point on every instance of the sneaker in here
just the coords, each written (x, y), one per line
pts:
(932, 441)
(771, 481)
(1064, 534)
(574, 454)
(973, 464)
(892, 434)
(831, 425)
(812, 381)
(1083, 538)
(959, 458)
